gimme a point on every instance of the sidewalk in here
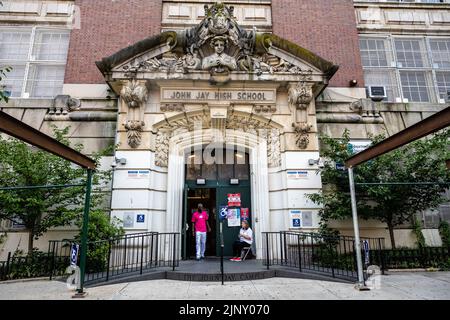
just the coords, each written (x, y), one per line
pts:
(396, 286)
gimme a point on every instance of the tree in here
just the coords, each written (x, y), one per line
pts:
(41, 209)
(417, 162)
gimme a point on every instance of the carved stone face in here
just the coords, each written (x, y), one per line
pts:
(219, 46)
(219, 25)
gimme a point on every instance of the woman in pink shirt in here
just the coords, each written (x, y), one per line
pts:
(200, 226)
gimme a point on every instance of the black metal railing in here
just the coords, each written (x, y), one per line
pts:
(331, 255)
(406, 258)
(131, 254)
(106, 259)
(52, 263)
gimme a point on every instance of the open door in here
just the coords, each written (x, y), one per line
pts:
(185, 228)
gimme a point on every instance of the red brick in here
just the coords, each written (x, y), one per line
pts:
(106, 27)
(327, 28)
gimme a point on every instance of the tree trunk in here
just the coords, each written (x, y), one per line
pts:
(30, 241)
(391, 234)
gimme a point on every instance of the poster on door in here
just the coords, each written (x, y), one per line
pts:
(234, 218)
(245, 214)
(234, 199)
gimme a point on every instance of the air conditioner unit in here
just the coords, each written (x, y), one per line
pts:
(377, 93)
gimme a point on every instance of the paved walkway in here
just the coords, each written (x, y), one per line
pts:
(396, 286)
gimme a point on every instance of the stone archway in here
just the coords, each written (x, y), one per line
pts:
(258, 136)
(257, 149)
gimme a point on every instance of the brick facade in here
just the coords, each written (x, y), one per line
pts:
(106, 27)
(327, 28)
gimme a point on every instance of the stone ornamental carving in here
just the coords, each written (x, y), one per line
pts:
(299, 96)
(134, 132)
(219, 45)
(302, 138)
(219, 61)
(171, 107)
(237, 122)
(274, 148)
(134, 94)
(162, 149)
(63, 104)
(265, 109)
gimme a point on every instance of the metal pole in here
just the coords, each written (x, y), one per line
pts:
(87, 202)
(361, 284)
(221, 251)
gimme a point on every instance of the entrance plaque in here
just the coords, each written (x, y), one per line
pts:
(225, 95)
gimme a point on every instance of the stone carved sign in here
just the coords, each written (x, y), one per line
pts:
(188, 94)
(218, 44)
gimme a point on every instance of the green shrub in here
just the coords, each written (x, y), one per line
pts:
(100, 229)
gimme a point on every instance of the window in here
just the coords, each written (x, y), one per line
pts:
(373, 52)
(45, 80)
(14, 82)
(14, 45)
(37, 57)
(411, 69)
(440, 51)
(383, 77)
(414, 86)
(443, 82)
(410, 53)
(51, 45)
(227, 164)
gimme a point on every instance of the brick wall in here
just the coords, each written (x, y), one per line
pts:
(106, 27)
(327, 28)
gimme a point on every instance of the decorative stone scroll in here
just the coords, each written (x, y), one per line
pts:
(302, 138)
(162, 149)
(300, 95)
(134, 132)
(134, 94)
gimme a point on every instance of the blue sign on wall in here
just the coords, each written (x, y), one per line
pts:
(296, 223)
(140, 218)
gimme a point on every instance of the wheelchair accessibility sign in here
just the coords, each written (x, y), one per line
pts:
(223, 212)
(140, 218)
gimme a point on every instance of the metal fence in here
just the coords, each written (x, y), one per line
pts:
(37, 264)
(106, 259)
(330, 255)
(426, 257)
(130, 254)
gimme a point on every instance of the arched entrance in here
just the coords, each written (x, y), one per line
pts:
(254, 148)
(211, 176)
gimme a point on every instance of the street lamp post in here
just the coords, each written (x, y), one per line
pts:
(84, 235)
(361, 284)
